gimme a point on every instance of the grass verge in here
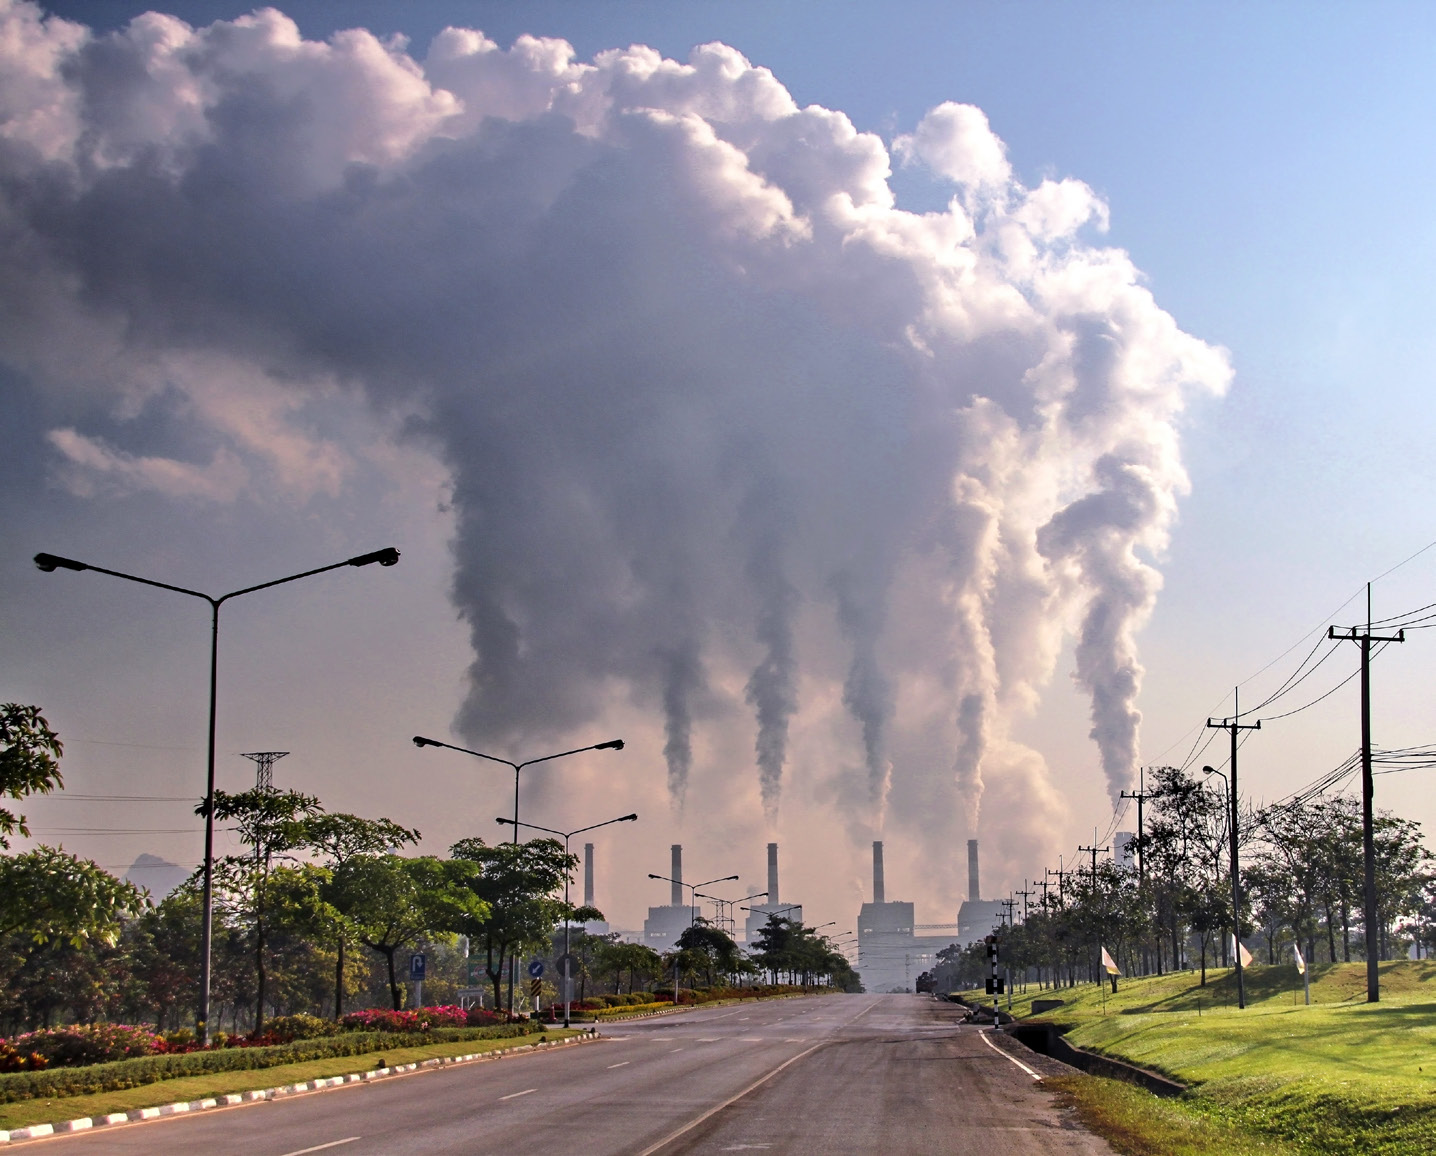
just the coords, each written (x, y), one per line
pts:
(1339, 1077)
(1137, 1123)
(26, 1112)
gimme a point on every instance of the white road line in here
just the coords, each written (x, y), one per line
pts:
(516, 1095)
(672, 1050)
(622, 1065)
(709, 1039)
(1005, 1056)
(321, 1147)
(756, 1084)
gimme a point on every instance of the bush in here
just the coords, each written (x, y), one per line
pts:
(301, 1027)
(80, 1044)
(12, 1059)
(113, 1077)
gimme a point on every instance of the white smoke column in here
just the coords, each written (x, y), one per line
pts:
(720, 420)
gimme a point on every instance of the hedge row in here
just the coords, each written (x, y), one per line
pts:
(55, 1083)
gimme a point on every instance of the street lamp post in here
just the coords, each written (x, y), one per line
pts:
(51, 562)
(612, 745)
(693, 917)
(1231, 793)
(566, 878)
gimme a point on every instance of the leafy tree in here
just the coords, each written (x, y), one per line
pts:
(272, 824)
(518, 883)
(638, 959)
(338, 838)
(713, 950)
(29, 762)
(393, 902)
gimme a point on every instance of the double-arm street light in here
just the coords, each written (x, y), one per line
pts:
(612, 745)
(51, 562)
(693, 887)
(1231, 794)
(725, 908)
(567, 875)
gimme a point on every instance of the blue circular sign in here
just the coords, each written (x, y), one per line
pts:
(536, 969)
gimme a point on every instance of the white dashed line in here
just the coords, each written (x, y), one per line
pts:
(321, 1147)
(622, 1065)
(516, 1095)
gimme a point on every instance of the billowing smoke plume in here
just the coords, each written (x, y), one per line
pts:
(728, 433)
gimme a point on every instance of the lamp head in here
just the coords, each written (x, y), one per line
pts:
(421, 741)
(510, 822)
(1209, 770)
(385, 557)
(611, 745)
(653, 876)
(629, 818)
(51, 562)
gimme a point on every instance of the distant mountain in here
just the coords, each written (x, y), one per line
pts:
(158, 876)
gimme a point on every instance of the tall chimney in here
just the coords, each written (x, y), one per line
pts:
(973, 890)
(588, 874)
(878, 872)
(677, 893)
(773, 874)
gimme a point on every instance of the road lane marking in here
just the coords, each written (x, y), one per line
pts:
(622, 1065)
(754, 1086)
(321, 1147)
(750, 1040)
(709, 1039)
(1005, 1056)
(672, 1050)
(516, 1095)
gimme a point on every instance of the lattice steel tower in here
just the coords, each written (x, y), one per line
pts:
(264, 767)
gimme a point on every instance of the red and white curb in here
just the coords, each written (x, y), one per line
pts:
(86, 1123)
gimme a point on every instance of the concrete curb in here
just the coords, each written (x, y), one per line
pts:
(85, 1123)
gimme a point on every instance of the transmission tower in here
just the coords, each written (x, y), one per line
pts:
(264, 767)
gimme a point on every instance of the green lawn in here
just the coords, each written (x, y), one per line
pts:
(1340, 1076)
(191, 1088)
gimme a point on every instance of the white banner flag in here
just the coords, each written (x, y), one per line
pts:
(1241, 949)
(1300, 963)
(1109, 964)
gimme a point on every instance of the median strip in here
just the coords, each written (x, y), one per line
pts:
(137, 1115)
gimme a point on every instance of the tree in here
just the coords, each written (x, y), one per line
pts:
(29, 762)
(712, 949)
(272, 824)
(338, 838)
(517, 882)
(392, 902)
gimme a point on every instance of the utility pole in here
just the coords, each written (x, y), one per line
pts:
(1061, 882)
(1094, 851)
(1233, 725)
(1369, 913)
(1025, 893)
(1140, 794)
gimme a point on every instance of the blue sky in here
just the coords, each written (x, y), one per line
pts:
(1269, 169)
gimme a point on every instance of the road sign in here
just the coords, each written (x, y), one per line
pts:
(416, 967)
(536, 969)
(535, 988)
(476, 972)
(571, 960)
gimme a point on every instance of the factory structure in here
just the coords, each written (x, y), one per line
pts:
(666, 923)
(891, 953)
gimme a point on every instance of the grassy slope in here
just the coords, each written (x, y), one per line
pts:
(1339, 1076)
(192, 1088)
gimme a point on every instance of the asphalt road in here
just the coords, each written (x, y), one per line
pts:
(836, 1074)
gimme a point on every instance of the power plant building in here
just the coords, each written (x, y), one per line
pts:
(891, 955)
(760, 913)
(977, 918)
(665, 924)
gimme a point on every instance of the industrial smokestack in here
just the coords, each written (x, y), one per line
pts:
(973, 890)
(878, 872)
(773, 873)
(588, 874)
(677, 893)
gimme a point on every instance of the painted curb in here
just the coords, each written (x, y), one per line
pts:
(84, 1123)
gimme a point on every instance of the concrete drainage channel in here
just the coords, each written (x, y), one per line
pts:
(86, 1123)
(1046, 1039)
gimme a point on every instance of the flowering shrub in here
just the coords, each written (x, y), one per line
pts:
(13, 1059)
(78, 1044)
(419, 1019)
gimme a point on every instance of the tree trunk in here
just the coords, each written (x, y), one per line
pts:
(259, 968)
(1345, 931)
(339, 982)
(393, 979)
(1330, 932)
